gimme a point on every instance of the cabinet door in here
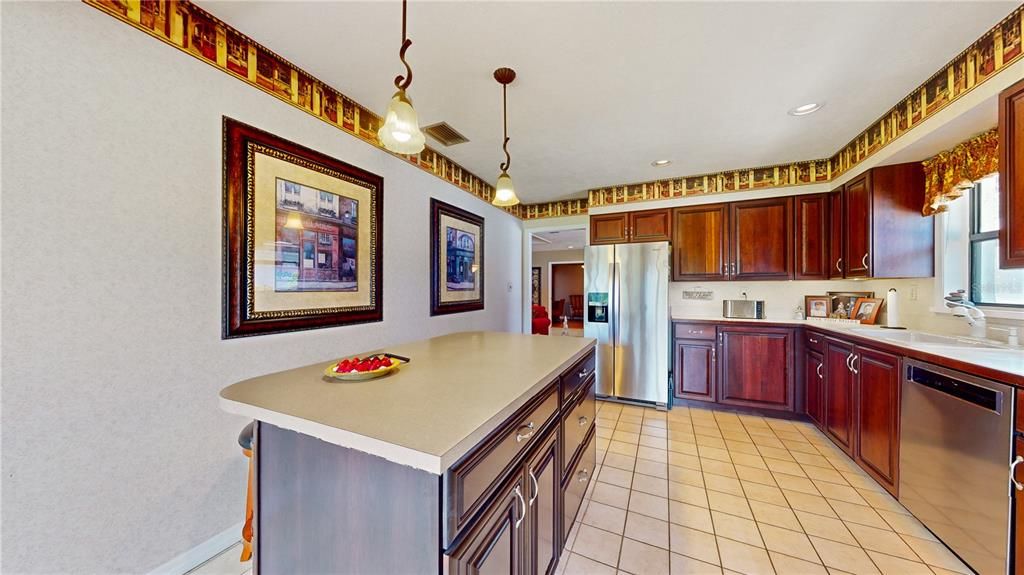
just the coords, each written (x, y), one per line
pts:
(694, 369)
(1011, 176)
(839, 396)
(608, 229)
(699, 248)
(495, 545)
(1018, 512)
(762, 239)
(811, 237)
(857, 226)
(755, 367)
(543, 489)
(650, 226)
(814, 376)
(878, 413)
(835, 235)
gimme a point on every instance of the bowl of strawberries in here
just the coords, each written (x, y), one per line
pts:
(363, 368)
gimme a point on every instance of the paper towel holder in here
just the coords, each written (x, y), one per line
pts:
(891, 294)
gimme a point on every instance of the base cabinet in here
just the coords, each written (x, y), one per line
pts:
(814, 378)
(839, 394)
(756, 367)
(542, 508)
(694, 373)
(878, 415)
(497, 543)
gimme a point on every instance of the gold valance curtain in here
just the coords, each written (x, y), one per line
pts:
(950, 173)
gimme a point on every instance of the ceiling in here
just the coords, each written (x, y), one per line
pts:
(605, 88)
(560, 240)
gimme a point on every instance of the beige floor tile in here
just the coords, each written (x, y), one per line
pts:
(692, 543)
(741, 447)
(723, 483)
(572, 534)
(839, 492)
(777, 515)
(659, 455)
(811, 458)
(735, 434)
(683, 460)
(619, 461)
(846, 557)
(717, 467)
(881, 540)
(890, 565)
(809, 503)
(707, 430)
(715, 453)
(597, 544)
(743, 558)
(775, 453)
(615, 476)
(767, 441)
(799, 446)
(749, 460)
(581, 565)
(661, 422)
(788, 467)
(860, 480)
(647, 529)
(736, 528)
(690, 516)
(934, 553)
(764, 493)
(708, 441)
(652, 468)
(649, 484)
(754, 474)
(687, 494)
(657, 442)
(793, 543)
(630, 426)
(683, 565)
(786, 565)
(622, 447)
(682, 447)
(851, 512)
(686, 475)
(731, 504)
(794, 483)
(882, 500)
(605, 517)
(684, 434)
(906, 524)
(653, 431)
(825, 527)
(626, 437)
(610, 495)
(649, 505)
(829, 475)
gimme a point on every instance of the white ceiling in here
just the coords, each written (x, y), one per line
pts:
(560, 240)
(604, 88)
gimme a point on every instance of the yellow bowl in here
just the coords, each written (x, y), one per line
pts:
(362, 375)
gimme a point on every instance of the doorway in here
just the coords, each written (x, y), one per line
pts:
(567, 294)
(557, 281)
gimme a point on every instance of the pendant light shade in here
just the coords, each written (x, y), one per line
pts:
(504, 191)
(401, 130)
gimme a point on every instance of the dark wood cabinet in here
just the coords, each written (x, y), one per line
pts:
(835, 235)
(628, 227)
(761, 239)
(839, 394)
(699, 242)
(609, 229)
(694, 369)
(878, 414)
(542, 509)
(497, 542)
(814, 378)
(755, 367)
(857, 222)
(811, 228)
(1011, 176)
(1018, 499)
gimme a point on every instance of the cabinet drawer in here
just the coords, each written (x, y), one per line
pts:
(577, 422)
(694, 331)
(472, 480)
(815, 341)
(576, 484)
(574, 377)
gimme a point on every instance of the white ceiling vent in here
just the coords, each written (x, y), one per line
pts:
(445, 134)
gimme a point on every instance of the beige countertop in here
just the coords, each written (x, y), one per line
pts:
(457, 389)
(997, 357)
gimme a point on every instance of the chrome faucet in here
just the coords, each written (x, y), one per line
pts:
(963, 307)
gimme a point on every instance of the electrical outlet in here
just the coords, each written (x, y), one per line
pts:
(913, 293)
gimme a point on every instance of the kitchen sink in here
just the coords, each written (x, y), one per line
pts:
(936, 343)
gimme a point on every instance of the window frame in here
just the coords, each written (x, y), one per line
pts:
(975, 237)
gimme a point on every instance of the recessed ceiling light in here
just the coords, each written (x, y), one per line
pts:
(805, 109)
(661, 163)
(570, 247)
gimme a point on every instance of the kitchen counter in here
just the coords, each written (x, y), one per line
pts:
(456, 390)
(1003, 363)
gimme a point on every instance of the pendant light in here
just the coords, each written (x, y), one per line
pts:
(504, 192)
(401, 130)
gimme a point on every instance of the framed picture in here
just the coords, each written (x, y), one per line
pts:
(456, 259)
(816, 306)
(866, 309)
(535, 286)
(842, 302)
(302, 237)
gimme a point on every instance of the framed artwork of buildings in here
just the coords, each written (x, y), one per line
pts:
(302, 237)
(456, 259)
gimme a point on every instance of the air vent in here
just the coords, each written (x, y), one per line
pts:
(445, 134)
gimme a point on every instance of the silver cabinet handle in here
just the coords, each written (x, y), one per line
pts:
(583, 420)
(818, 371)
(849, 358)
(853, 365)
(812, 340)
(519, 493)
(864, 261)
(522, 436)
(536, 488)
(712, 355)
(696, 331)
(583, 373)
(1013, 469)
(839, 265)
(583, 476)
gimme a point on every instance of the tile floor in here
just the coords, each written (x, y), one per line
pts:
(703, 491)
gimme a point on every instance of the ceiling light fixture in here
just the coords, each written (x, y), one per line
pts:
(401, 130)
(805, 109)
(504, 192)
(661, 163)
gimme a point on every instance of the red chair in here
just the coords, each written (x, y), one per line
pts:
(541, 321)
(576, 305)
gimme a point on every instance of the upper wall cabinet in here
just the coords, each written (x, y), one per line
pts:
(884, 233)
(1011, 176)
(761, 239)
(700, 243)
(627, 227)
(835, 234)
(811, 221)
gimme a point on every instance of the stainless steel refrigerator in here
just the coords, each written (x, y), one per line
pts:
(626, 301)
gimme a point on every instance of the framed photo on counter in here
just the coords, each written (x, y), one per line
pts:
(302, 237)
(456, 259)
(816, 306)
(866, 309)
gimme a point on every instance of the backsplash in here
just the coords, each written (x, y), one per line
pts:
(782, 298)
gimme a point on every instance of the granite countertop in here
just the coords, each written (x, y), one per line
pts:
(457, 389)
(996, 357)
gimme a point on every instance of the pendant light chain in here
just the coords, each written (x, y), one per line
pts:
(504, 111)
(402, 82)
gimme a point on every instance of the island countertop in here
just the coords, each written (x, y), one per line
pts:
(457, 389)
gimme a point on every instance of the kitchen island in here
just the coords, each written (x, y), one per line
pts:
(474, 456)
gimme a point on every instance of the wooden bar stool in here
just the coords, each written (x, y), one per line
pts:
(245, 440)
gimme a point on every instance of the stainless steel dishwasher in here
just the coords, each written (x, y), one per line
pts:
(955, 447)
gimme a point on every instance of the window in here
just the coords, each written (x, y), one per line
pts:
(989, 285)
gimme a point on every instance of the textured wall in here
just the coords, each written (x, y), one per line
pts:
(115, 455)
